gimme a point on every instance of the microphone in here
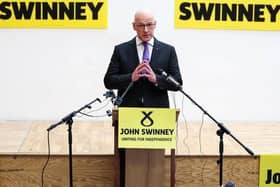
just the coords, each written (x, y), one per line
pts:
(68, 118)
(110, 94)
(109, 113)
(170, 79)
(119, 100)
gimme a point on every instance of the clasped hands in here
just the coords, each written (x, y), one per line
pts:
(144, 70)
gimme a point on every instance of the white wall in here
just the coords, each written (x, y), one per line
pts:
(47, 73)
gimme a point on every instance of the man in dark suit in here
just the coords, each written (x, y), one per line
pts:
(149, 88)
(139, 61)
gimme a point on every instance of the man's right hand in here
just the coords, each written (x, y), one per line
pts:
(137, 72)
(144, 70)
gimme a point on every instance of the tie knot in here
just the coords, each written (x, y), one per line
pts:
(145, 43)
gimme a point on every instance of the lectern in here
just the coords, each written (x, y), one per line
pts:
(147, 161)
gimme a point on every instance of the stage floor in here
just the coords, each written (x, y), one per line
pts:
(96, 138)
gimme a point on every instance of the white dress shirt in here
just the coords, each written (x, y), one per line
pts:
(140, 48)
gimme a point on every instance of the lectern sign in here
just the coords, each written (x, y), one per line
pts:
(148, 128)
(269, 171)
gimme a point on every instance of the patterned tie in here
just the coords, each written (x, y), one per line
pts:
(146, 55)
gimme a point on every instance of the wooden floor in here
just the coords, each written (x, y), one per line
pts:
(96, 137)
(23, 150)
(98, 171)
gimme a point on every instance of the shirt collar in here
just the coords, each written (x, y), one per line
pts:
(139, 42)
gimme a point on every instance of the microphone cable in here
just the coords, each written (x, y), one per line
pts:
(175, 106)
(88, 113)
(100, 108)
(200, 134)
(200, 148)
(47, 161)
(185, 140)
(108, 113)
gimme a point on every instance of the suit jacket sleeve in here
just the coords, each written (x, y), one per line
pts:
(172, 68)
(114, 78)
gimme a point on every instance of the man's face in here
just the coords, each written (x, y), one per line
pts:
(144, 25)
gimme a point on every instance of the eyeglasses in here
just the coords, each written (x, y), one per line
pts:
(148, 25)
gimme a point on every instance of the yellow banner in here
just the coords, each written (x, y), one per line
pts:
(228, 14)
(53, 14)
(149, 128)
(269, 171)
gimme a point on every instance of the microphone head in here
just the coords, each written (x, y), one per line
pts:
(118, 101)
(109, 113)
(110, 93)
(162, 72)
(97, 99)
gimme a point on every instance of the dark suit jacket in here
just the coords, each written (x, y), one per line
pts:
(143, 93)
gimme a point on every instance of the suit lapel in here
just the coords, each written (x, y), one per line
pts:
(155, 54)
(133, 55)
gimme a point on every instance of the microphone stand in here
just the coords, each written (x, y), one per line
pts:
(117, 103)
(69, 121)
(219, 133)
(119, 100)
